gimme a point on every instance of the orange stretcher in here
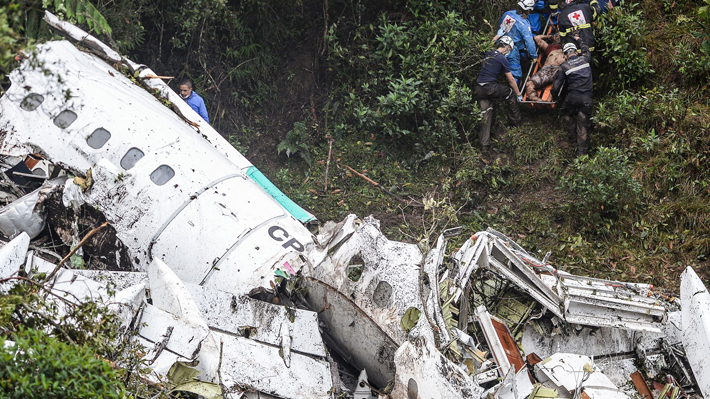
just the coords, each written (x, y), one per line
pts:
(545, 94)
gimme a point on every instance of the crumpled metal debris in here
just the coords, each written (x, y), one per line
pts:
(26, 213)
(217, 312)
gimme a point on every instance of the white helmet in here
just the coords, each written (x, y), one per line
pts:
(526, 5)
(569, 47)
(507, 40)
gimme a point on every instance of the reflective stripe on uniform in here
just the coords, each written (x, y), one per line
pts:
(577, 68)
(569, 30)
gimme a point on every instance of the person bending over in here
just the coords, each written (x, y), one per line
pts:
(488, 89)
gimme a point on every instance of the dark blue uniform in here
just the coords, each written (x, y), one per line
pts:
(577, 17)
(488, 90)
(576, 75)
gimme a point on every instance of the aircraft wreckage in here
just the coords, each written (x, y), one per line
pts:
(226, 280)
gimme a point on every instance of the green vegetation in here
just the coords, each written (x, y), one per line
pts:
(622, 35)
(404, 81)
(391, 84)
(601, 187)
(40, 366)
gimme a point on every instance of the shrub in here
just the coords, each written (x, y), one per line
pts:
(404, 80)
(40, 366)
(620, 39)
(295, 142)
(601, 186)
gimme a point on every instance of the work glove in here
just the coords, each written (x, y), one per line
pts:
(520, 98)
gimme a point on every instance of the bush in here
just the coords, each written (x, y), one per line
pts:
(39, 366)
(404, 80)
(620, 40)
(601, 186)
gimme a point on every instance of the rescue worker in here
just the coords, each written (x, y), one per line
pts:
(488, 89)
(513, 58)
(193, 99)
(576, 17)
(515, 24)
(575, 75)
(553, 59)
(536, 17)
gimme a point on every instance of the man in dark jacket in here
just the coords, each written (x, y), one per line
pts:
(576, 19)
(488, 89)
(575, 75)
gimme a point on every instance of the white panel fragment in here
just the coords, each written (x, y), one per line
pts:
(12, 255)
(695, 304)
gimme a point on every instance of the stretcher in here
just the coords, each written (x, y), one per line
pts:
(545, 93)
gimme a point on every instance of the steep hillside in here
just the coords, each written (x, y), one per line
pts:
(367, 107)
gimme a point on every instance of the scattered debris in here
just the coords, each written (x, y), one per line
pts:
(271, 310)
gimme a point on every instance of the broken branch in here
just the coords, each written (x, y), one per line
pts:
(157, 77)
(48, 320)
(327, 164)
(378, 185)
(83, 240)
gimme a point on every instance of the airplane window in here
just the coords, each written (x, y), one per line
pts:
(98, 138)
(31, 102)
(132, 156)
(65, 118)
(162, 174)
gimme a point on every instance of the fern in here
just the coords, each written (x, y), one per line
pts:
(82, 12)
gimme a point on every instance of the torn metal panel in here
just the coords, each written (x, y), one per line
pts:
(695, 304)
(81, 37)
(611, 303)
(432, 265)
(78, 289)
(169, 293)
(115, 280)
(531, 290)
(585, 341)
(25, 214)
(354, 334)
(330, 236)
(363, 317)
(469, 258)
(12, 255)
(248, 363)
(423, 372)
(233, 314)
(502, 346)
(167, 331)
(515, 385)
(574, 374)
(577, 300)
(522, 268)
